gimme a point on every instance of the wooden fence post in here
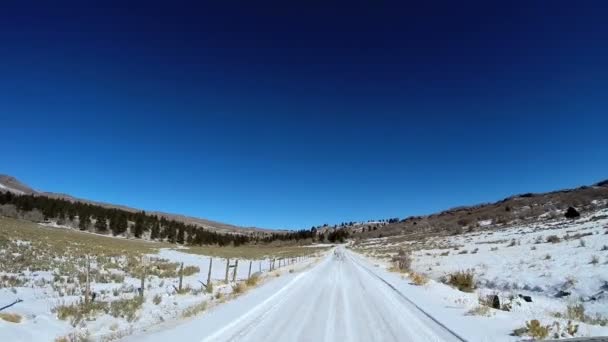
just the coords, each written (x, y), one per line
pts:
(227, 269)
(236, 265)
(209, 274)
(143, 276)
(249, 274)
(87, 290)
(181, 276)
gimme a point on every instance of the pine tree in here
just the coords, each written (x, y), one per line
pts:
(101, 224)
(83, 222)
(155, 231)
(138, 228)
(118, 223)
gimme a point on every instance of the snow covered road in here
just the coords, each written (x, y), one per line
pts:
(340, 299)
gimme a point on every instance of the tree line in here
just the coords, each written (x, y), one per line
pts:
(92, 217)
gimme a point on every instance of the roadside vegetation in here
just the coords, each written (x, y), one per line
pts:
(51, 269)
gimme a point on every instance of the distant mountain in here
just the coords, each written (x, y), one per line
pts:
(518, 209)
(12, 184)
(9, 183)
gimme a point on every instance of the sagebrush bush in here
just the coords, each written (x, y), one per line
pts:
(576, 312)
(239, 288)
(480, 310)
(79, 311)
(184, 290)
(403, 261)
(418, 278)
(536, 330)
(553, 239)
(594, 260)
(533, 329)
(126, 308)
(10, 317)
(253, 280)
(157, 299)
(194, 309)
(190, 270)
(462, 280)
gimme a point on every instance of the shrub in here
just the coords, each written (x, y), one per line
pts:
(582, 243)
(403, 261)
(126, 308)
(79, 311)
(594, 260)
(184, 290)
(157, 299)
(533, 329)
(239, 288)
(536, 330)
(572, 328)
(576, 312)
(10, 317)
(209, 287)
(462, 280)
(194, 309)
(252, 281)
(418, 279)
(190, 270)
(572, 213)
(553, 239)
(548, 256)
(480, 310)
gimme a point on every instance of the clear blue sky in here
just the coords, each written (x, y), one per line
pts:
(286, 117)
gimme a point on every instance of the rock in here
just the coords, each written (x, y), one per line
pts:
(597, 296)
(495, 302)
(562, 294)
(528, 299)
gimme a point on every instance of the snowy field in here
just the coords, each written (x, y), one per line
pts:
(45, 269)
(562, 265)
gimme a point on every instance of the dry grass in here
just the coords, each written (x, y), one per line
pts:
(252, 281)
(190, 270)
(480, 310)
(239, 288)
(419, 278)
(79, 311)
(126, 308)
(533, 329)
(462, 280)
(10, 317)
(576, 312)
(594, 260)
(194, 309)
(254, 252)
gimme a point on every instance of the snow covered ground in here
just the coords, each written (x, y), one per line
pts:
(343, 298)
(560, 264)
(47, 274)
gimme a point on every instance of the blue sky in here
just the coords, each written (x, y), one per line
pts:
(286, 117)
